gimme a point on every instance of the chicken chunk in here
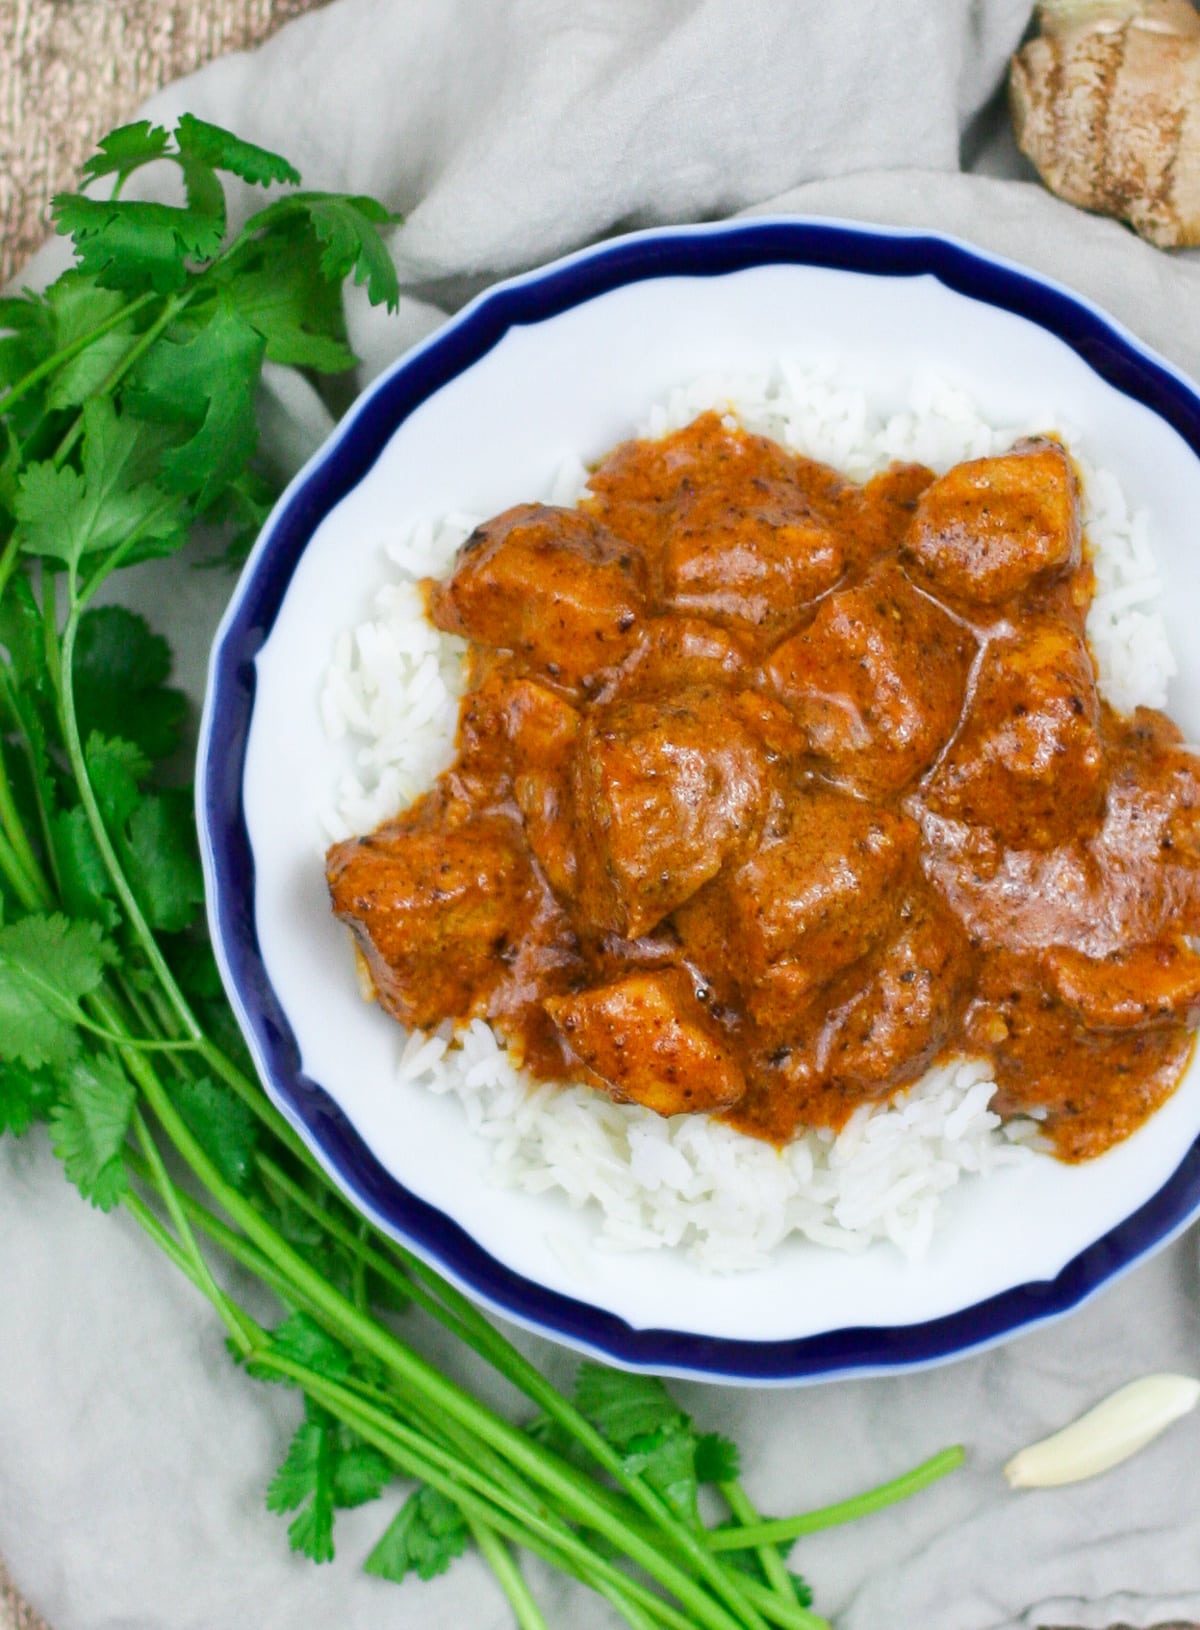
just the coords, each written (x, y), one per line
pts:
(1130, 989)
(907, 998)
(543, 730)
(876, 682)
(1028, 764)
(822, 890)
(983, 532)
(737, 528)
(551, 585)
(665, 792)
(649, 1040)
(436, 908)
(676, 651)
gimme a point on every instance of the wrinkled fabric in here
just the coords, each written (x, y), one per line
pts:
(133, 1457)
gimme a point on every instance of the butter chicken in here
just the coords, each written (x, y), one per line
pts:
(772, 789)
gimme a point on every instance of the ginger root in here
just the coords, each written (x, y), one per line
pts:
(1106, 103)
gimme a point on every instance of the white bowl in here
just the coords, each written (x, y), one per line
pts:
(567, 361)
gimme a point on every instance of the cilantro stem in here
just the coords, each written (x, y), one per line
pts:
(419, 1458)
(65, 353)
(783, 1529)
(87, 797)
(234, 1245)
(14, 830)
(245, 1339)
(8, 561)
(741, 1506)
(13, 869)
(419, 1293)
(446, 1396)
(462, 1319)
(789, 1614)
(496, 1553)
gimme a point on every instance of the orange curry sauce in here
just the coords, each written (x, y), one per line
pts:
(773, 789)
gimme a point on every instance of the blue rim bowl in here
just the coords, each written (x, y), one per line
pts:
(701, 252)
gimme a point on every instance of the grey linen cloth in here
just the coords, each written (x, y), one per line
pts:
(133, 1457)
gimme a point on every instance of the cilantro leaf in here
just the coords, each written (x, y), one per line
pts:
(88, 1128)
(23, 637)
(28, 338)
(84, 883)
(222, 1125)
(624, 1406)
(304, 1483)
(221, 150)
(424, 1537)
(348, 229)
(66, 514)
(282, 292)
(360, 1473)
(302, 1339)
(114, 768)
(137, 246)
(162, 859)
(327, 1466)
(77, 305)
(153, 833)
(26, 1096)
(121, 669)
(206, 383)
(666, 1459)
(127, 148)
(718, 1460)
(47, 964)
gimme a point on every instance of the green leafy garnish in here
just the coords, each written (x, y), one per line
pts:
(424, 1537)
(47, 965)
(88, 1127)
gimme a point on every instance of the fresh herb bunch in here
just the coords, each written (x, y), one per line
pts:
(127, 418)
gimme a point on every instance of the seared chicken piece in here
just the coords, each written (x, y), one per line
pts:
(988, 528)
(672, 652)
(876, 681)
(665, 792)
(1028, 764)
(1141, 986)
(543, 729)
(822, 889)
(437, 909)
(648, 1039)
(551, 585)
(738, 527)
(908, 997)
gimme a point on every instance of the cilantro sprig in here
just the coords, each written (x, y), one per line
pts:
(127, 393)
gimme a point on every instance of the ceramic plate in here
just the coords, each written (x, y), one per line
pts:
(568, 360)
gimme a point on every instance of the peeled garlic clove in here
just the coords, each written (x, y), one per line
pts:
(1117, 1428)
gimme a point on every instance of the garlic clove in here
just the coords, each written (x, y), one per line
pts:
(1115, 1429)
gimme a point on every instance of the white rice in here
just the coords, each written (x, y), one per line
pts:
(690, 1183)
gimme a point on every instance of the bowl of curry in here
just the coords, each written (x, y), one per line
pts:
(770, 788)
